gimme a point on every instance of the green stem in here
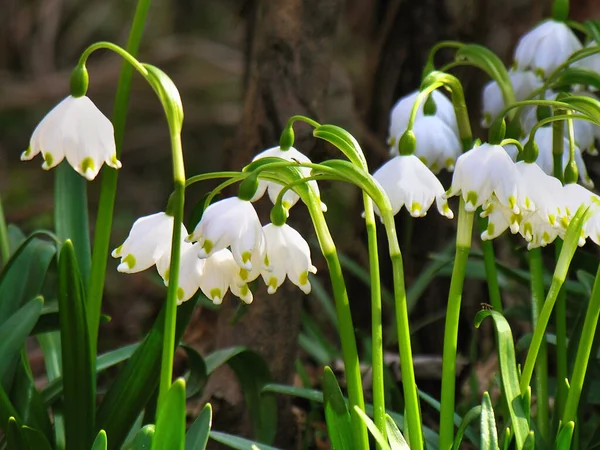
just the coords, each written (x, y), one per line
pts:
(4, 243)
(176, 206)
(491, 271)
(376, 326)
(412, 414)
(109, 181)
(463, 245)
(346, 327)
(541, 365)
(583, 353)
(560, 315)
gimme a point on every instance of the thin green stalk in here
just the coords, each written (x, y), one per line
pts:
(175, 206)
(109, 181)
(4, 244)
(560, 314)
(583, 353)
(491, 271)
(463, 245)
(376, 326)
(412, 416)
(541, 365)
(346, 327)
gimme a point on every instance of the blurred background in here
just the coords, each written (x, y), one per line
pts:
(242, 68)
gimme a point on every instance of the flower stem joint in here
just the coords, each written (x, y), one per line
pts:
(80, 81)
(286, 141)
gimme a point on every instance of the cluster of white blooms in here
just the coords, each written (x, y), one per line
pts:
(519, 196)
(228, 249)
(435, 129)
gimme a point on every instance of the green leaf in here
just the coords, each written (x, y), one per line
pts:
(197, 375)
(571, 76)
(14, 332)
(197, 436)
(238, 443)
(79, 402)
(170, 423)
(585, 105)
(344, 141)
(489, 434)
(337, 416)
(35, 439)
(138, 379)
(253, 374)
(563, 440)
(473, 414)
(529, 442)
(395, 438)
(14, 438)
(508, 374)
(143, 439)
(100, 443)
(379, 438)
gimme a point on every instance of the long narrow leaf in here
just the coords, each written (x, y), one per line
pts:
(395, 438)
(337, 416)
(14, 438)
(170, 424)
(239, 443)
(489, 433)
(101, 441)
(473, 414)
(372, 428)
(143, 439)
(197, 436)
(77, 364)
(35, 439)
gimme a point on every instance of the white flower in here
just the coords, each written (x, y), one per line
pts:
(290, 198)
(591, 62)
(545, 47)
(220, 273)
(230, 222)
(499, 219)
(408, 182)
(483, 171)
(523, 83)
(288, 254)
(545, 159)
(75, 129)
(149, 242)
(401, 111)
(190, 269)
(537, 232)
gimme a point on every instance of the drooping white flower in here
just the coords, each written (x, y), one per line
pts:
(499, 219)
(543, 139)
(523, 83)
(75, 129)
(289, 255)
(537, 232)
(290, 198)
(190, 270)
(545, 47)
(591, 62)
(483, 171)
(230, 222)
(408, 182)
(401, 111)
(220, 273)
(149, 242)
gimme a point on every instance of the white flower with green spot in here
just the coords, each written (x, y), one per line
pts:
(546, 47)
(149, 242)
(190, 270)
(75, 129)
(408, 182)
(230, 222)
(288, 255)
(481, 172)
(220, 273)
(499, 219)
(290, 198)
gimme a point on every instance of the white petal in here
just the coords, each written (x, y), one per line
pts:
(218, 274)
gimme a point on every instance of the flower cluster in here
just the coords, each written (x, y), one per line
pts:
(228, 248)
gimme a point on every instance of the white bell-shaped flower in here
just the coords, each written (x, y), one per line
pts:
(401, 111)
(220, 273)
(499, 219)
(592, 228)
(149, 242)
(543, 139)
(523, 83)
(537, 231)
(408, 182)
(230, 222)
(545, 47)
(190, 269)
(289, 255)
(290, 198)
(483, 171)
(75, 129)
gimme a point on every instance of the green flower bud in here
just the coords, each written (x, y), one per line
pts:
(248, 187)
(530, 151)
(571, 172)
(279, 214)
(560, 10)
(497, 131)
(408, 143)
(430, 108)
(287, 138)
(79, 81)
(543, 112)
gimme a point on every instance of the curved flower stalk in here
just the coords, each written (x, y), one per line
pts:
(290, 198)
(77, 130)
(546, 47)
(408, 182)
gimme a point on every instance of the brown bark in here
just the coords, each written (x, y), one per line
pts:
(287, 72)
